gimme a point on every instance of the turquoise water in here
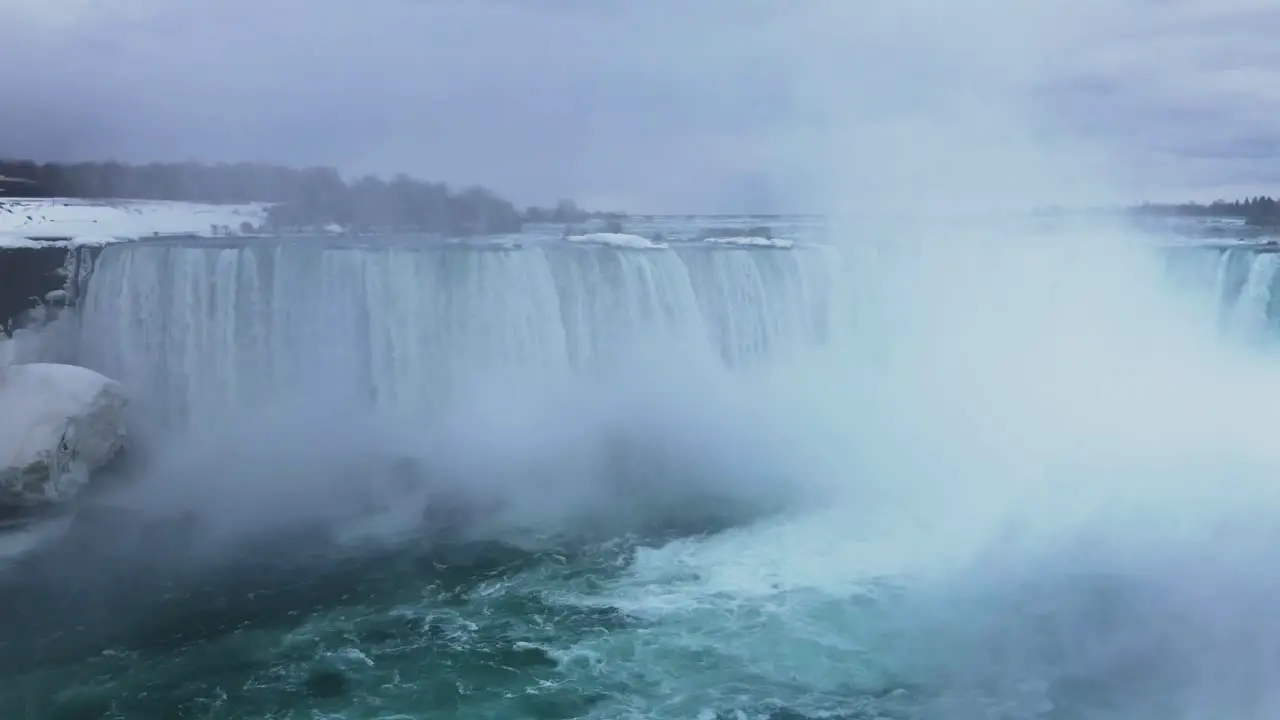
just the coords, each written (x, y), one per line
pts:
(486, 630)
(670, 626)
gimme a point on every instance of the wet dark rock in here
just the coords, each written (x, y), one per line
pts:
(27, 275)
(45, 276)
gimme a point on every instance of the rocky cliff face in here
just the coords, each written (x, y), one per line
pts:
(38, 280)
(47, 245)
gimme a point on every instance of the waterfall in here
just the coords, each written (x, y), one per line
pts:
(1237, 285)
(1250, 318)
(203, 332)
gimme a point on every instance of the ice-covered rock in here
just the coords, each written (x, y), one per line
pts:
(58, 423)
(753, 241)
(617, 240)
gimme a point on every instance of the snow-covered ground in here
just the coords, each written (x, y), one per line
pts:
(81, 222)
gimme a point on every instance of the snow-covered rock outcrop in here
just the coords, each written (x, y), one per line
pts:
(753, 242)
(58, 423)
(617, 240)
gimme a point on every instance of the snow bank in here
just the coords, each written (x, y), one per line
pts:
(99, 222)
(619, 240)
(20, 242)
(58, 423)
(753, 242)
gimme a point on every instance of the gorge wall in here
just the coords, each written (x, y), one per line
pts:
(39, 279)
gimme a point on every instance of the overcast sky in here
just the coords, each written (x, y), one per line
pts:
(675, 105)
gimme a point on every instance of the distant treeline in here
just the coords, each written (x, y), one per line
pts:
(1259, 210)
(303, 198)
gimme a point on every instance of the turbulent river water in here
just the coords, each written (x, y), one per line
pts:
(971, 479)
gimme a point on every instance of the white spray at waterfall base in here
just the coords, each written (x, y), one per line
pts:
(513, 465)
(1050, 485)
(1055, 478)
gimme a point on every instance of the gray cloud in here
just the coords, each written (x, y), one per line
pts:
(1183, 94)
(666, 104)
